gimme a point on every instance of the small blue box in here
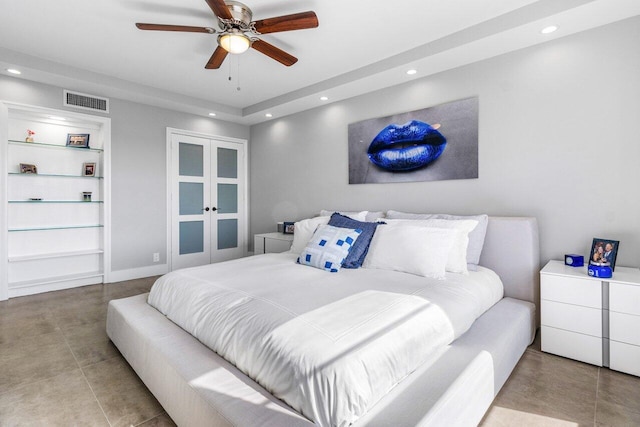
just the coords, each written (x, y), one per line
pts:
(574, 260)
(600, 271)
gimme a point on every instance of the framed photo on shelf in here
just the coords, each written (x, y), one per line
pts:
(604, 251)
(288, 227)
(78, 140)
(88, 169)
(27, 168)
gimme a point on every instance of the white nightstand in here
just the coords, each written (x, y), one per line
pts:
(267, 243)
(589, 319)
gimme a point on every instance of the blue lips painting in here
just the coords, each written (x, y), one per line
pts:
(433, 144)
(407, 147)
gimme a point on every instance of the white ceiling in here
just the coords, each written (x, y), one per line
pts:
(93, 47)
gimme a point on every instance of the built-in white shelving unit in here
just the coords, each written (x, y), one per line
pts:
(53, 236)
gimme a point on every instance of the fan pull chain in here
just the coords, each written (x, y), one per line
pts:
(238, 87)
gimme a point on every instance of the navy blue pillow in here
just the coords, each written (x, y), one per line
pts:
(360, 248)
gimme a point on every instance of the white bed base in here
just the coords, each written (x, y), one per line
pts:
(455, 388)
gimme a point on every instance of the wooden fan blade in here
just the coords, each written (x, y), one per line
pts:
(219, 9)
(296, 21)
(182, 28)
(216, 59)
(273, 52)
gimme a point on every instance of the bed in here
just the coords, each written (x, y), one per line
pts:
(454, 386)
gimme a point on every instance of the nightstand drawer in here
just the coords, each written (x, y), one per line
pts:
(584, 320)
(573, 345)
(624, 328)
(624, 358)
(572, 290)
(272, 246)
(268, 243)
(624, 298)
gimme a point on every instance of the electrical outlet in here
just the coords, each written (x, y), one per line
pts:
(156, 257)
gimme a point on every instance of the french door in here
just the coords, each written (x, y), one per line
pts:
(208, 206)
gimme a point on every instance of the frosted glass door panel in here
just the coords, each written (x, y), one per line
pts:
(191, 237)
(191, 198)
(227, 163)
(227, 233)
(190, 160)
(227, 198)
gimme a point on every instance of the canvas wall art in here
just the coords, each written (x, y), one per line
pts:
(432, 144)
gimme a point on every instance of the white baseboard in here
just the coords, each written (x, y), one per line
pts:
(138, 273)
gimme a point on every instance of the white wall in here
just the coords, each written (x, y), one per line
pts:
(559, 126)
(138, 158)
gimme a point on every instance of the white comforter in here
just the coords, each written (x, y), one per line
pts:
(329, 344)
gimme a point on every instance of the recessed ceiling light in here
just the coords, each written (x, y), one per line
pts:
(550, 29)
(324, 98)
(212, 114)
(412, 72)
(56, 118)
(268, 115)
(13, 71)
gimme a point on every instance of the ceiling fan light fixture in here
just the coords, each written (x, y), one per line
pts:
(234, 42)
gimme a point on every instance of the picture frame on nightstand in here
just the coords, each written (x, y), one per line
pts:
(288, 227)
(604, 251)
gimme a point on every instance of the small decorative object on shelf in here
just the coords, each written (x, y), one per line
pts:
(78, 140)
(604, 252)
(574, 260)
(35, 199)
(27, 168)
(89, 169)
(288, 227)
(86, 196)
(29, 137)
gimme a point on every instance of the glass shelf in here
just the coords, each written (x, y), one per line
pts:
(44, 144)
(34, 257)
(62, 227)
(55, 175)
(54, 201)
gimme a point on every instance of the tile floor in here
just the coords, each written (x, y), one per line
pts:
(58, 368)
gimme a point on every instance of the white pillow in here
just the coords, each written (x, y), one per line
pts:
(476, 237)
(411, 249)
(358, 216)
(303, 231)
(457, 259)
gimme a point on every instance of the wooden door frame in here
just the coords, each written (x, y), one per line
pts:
(245, 177)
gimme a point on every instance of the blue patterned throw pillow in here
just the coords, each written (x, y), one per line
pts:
(359, 252)
(328, 247)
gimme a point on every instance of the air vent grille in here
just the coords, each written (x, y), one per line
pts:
(86, 102)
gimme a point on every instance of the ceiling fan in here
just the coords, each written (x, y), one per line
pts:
(238, 32)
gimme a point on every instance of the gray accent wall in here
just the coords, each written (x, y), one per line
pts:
(138, 166)
(558, 140)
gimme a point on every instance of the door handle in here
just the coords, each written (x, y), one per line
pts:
(205, 209)
(213, 209)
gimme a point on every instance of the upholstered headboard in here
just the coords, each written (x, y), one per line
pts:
(512, 250)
